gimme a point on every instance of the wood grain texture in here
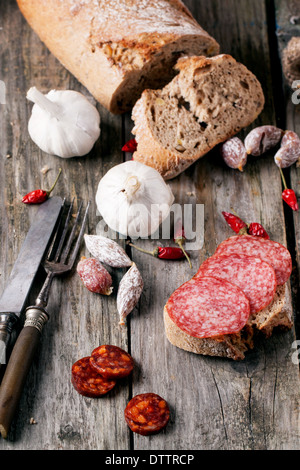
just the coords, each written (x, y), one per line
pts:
(215, 403)
(234, 406)
(287, 26)
(79, 322)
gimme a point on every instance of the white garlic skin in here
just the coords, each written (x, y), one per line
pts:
(134, 199)
(72, 131)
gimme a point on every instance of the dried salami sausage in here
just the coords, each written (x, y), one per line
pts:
(147, 414)
(87, 381)
(208, 307)
(255, 277)
(94, 276)
(111, 362)
(129, 292)
(267, 250)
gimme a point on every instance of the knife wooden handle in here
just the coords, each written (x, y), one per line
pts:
(18, 366)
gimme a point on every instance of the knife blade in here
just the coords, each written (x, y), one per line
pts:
(15, 294)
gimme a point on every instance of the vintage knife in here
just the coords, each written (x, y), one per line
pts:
(14, 296)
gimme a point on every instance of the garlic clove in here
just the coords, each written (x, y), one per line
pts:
(134, 199)
(63, 122)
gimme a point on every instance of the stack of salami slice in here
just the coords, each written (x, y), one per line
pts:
(240, 289)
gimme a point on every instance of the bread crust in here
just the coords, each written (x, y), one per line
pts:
(112, 47)
(169, 162)
(229, 346)
(277, 314)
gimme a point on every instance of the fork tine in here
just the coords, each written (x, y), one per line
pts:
(80, 236)
(64, 233)
(71, 236)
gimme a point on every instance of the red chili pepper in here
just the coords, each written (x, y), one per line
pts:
(180, 239)
(234, 222)
(290, 198)
(130, 146)
(39, 196)
(35, 197)
(288, 195)
(168, 252)
(241, 228)
(257, 230)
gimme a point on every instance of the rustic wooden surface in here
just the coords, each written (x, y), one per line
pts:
(215, 403)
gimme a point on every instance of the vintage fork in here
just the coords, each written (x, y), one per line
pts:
(60, 260)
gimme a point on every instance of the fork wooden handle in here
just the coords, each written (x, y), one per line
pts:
(18, 366)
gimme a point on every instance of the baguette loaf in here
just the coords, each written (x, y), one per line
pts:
(118, 48)
(209, 101)
(234, 346)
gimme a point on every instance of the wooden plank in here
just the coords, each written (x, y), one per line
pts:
(288, 25)
(79, 320)
(215, 403)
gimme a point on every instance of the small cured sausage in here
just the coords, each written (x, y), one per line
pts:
(234, 153)
(208, 307)
(94, 276)
(87, 381)
(147, 414)
(107, 251)
(255, 277)
(267, 250)
(129, 292)
(111, 362)
(261, 139)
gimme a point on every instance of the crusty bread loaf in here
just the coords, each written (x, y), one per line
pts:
(207, 102)
(277, 314)
(118, 48)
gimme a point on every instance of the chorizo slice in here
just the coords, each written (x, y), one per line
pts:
(87, 381)
(111, 362)
(147, 414)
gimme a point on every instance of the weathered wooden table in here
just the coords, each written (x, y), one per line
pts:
(215, 403)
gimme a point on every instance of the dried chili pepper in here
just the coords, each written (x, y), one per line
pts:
(169, 252)
(288, 195)
(130, 146)
(241, 228)
(290, 198)
(180, 239)
(161, 252)
(257, 230)
(234, 222)
(39, 196)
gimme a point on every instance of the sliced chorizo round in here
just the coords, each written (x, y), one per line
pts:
(254, 277)
(147, 414)
(111, 361)
(89, 382)
(269, 251)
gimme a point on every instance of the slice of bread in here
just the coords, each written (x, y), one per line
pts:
(277, 314)
(207, 102)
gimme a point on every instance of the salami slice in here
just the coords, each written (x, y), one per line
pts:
(254, 277)
(208, 307)
(147, 414)
(267, 250)
(111, 362)
(87, 381)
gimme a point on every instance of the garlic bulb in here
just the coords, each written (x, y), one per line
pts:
(133, 199)
(63, 122)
